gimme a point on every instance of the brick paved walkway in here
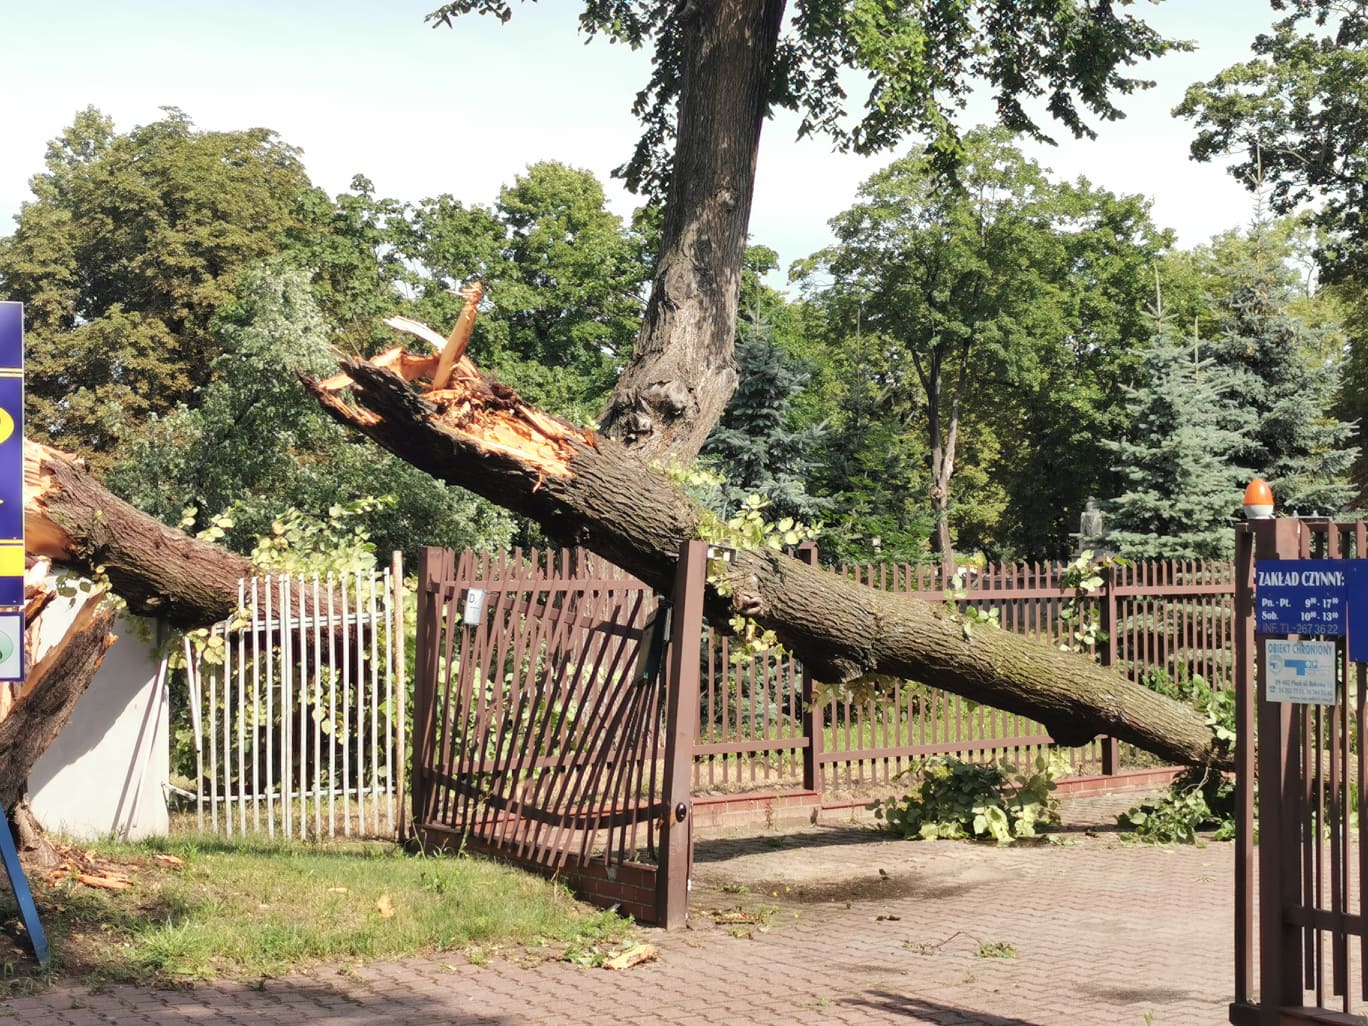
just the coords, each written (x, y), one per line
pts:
(851, 930)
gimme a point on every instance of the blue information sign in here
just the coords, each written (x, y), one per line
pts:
(1301, 596)
(11, 457)
(12, 572)
(1356, 598)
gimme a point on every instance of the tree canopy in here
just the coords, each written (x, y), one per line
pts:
(722, 68)
(992, 317)
(1060, 59)
(1296, 116)
(130, 245)
(1179, 484)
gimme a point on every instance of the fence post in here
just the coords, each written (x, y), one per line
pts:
(812, 713)
(433, 565)
(1111, 747)
(681, 721)
(1280, 975)
(396, 634)
(1246, 709)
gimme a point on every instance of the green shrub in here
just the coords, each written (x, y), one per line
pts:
(1198, 799)
(954, 799)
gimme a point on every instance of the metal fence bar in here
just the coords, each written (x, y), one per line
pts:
(265, 704)
(192, 687)
(213, 755)
(374, 633)
(287, 739)
(319, 670)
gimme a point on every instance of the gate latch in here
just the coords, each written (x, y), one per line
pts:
(681, 812)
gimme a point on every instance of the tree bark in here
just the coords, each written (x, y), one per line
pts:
(74, 521)
(590, 490)
(683, 371)
(50, 693)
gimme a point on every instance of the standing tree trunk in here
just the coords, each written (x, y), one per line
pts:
(942, 442)
(683, 369)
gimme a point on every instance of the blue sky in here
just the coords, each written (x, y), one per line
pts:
(367, 87)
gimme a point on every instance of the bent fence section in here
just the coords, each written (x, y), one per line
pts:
(549, 720)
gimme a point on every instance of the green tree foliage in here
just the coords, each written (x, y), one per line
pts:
(874, 461)
(1180, 486)
(160, 340)
(1049, 425)
(130, 245)
(1065, 55)
(259, 450)
(759, 446)
(996, 317)
(945, 277)
(351, 247)
(1297, 114)
(1349, 301)
(564, 276)
(1285, 376)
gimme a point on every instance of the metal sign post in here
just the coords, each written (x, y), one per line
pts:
(12, 666)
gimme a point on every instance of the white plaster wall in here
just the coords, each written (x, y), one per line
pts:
(105, 772)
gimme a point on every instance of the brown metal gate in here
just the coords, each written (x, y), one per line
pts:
(1300, 942)
(555, 702)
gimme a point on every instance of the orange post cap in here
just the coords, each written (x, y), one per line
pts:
(1258, 500)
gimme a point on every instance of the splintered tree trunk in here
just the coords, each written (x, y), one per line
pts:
(683, 371)
(587, 489)
(593, 491)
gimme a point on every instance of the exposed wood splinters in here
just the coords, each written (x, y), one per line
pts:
(481, 411)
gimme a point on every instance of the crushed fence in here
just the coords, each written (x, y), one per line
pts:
(549, 719)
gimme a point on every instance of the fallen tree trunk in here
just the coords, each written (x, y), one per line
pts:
(71, 519)
(50, 692)
(589, 490)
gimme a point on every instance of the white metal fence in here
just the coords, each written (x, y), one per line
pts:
(297, 708)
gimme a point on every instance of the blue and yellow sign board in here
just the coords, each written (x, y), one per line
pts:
(11, 491)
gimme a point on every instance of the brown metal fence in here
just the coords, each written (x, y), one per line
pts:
(549, 727)
(1300, 940)
(557, 718)
(756, 731)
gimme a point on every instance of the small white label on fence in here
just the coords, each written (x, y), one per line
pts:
(11, 647)
(474, 605)
(1301, 671)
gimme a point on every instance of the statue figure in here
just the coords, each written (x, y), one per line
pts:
(1090, 522)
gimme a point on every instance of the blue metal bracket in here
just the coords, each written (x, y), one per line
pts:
(19, 885)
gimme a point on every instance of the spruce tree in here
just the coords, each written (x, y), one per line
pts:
(1182, 486)
(756, 445)
(1285, 376)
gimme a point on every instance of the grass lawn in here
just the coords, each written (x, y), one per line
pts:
(201, 908)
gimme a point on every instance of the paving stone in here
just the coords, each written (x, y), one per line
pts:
(1103, 934)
